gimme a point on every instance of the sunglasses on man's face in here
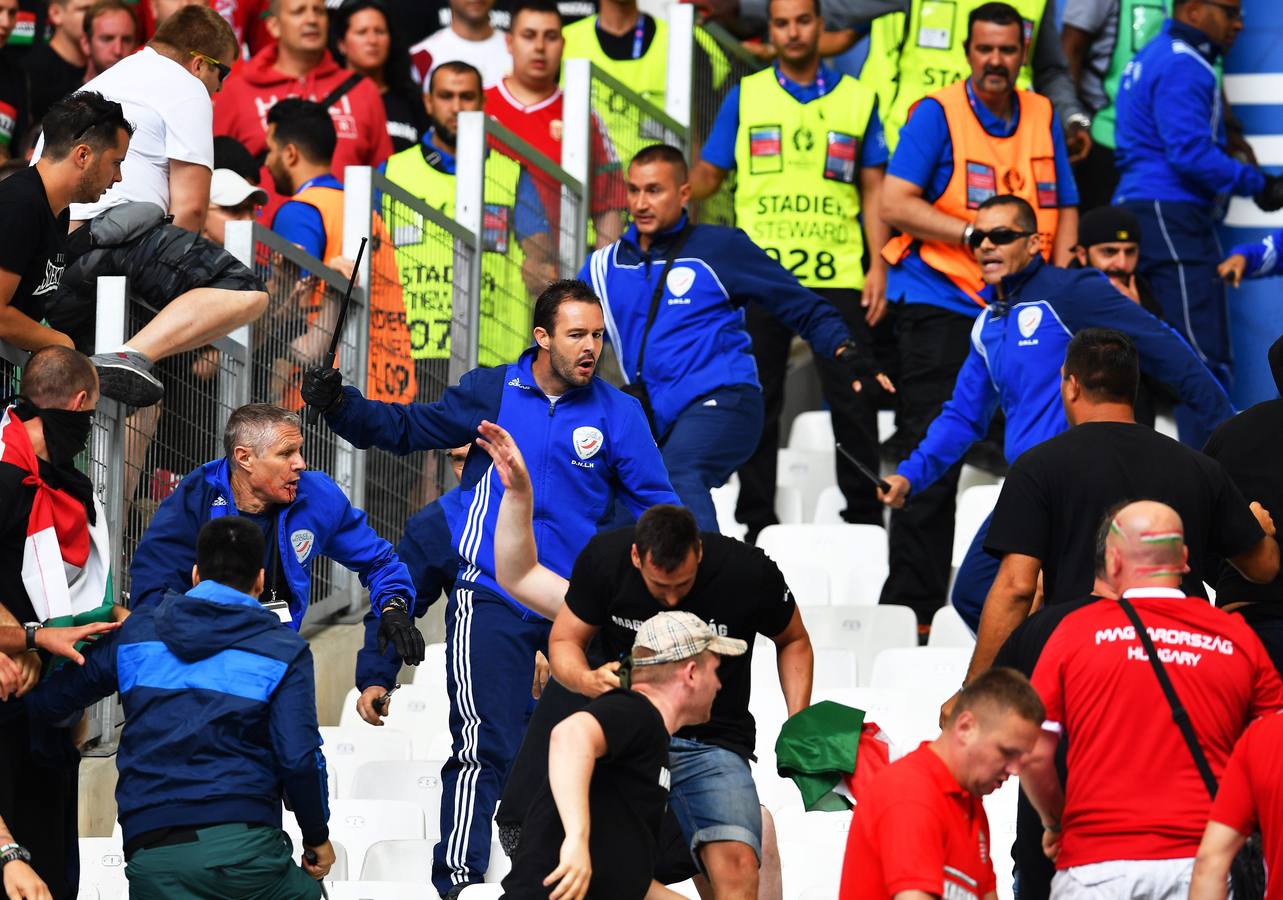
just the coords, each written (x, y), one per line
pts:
(997, 236)
(223, 69)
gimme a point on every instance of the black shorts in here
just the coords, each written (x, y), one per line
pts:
(162, 264)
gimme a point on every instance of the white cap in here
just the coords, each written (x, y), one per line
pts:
(227, 188)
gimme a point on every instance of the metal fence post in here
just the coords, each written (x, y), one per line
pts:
(234, 392)
(681, 50)
(576, 124)
(469, 211)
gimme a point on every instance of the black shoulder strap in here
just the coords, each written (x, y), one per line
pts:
(673, 253)
(337, 94)
(1179, 715)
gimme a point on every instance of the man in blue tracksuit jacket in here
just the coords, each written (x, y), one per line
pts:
(220, 720)
(697, 367)
(586, 443)
(1176, 175)
(1017, 347)
(303, 515)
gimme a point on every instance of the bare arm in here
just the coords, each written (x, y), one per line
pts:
(58, 641)
(1062, 248)
(876, 235)
(1041, 782)
(17, 327)
(573, 750)
(189, 194)
(570, 635)
(609, 225)
(796, 662)
(1220, 845)
(1006, 607)
(1075, 41)
(1261, 563)
(916, 895)
(517, 565)
(705, 179)
(659, 891)
(904, 207)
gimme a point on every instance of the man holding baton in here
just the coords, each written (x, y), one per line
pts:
(587, 443)
(1017, 346)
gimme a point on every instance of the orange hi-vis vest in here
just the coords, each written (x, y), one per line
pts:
(390, 370)
(1023, 164)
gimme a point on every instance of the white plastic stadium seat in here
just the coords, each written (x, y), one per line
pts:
(812, 431)
(481, 892)
(102, 868)
(346, 749)
(948, 630)
(420, 710)
(400, 860)
(810, 471)
(808, 581)
(974, 504)
(724, 499)
(500, 865)
(379, 890)
(418, 781)
(812, 845)
(359, 823)
(933, 673)
(864, 630)
(1000, 809)
(907, 719)
(886, 425)
(788, 505)
(854, 555)
(829, 506)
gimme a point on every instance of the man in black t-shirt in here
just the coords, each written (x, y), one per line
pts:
(57, 68)
(86, 138)
(610, 760)
(1056, 493)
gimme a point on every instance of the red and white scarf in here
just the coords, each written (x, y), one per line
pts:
(64, 559)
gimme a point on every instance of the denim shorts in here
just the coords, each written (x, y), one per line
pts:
(713, 796)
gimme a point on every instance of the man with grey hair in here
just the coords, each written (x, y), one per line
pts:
(303, 515)
(594, 827)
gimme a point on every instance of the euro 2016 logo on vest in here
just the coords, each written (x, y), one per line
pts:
(1013, 181)
(803, 139)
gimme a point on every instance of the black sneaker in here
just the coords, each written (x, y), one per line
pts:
(126, 376)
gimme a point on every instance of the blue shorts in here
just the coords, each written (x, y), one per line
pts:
(713, 796)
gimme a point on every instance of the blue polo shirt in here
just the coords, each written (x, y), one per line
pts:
(301, 223)
(719, 149)
(924, 157)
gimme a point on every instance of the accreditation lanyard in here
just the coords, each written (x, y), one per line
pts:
(639, 34)
(821, 86)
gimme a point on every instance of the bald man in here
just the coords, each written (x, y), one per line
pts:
(1129, 822)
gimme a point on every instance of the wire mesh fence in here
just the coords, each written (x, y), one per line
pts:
(631, 121)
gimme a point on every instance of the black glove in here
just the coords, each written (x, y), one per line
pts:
(396, 627)
(858, 366)
(1271, 198)
(322, 388)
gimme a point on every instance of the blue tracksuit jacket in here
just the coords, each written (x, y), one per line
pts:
(582, 450)
(320, 522)
(698, 343)
(220, 713)
(1017, 349)
(1262, 256)
(1171, 125)
(427, 549)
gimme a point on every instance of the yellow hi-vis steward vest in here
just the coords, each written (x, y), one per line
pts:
(426, 260)
(931, 54)
(797, 166)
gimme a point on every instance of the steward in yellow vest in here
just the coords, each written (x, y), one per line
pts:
(515, 234)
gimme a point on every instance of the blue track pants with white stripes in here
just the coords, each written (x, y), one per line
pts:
(490, 659)
(1179, 252)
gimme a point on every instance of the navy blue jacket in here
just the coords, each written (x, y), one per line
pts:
(1017, 349)
(428, 552)
(698, 343)
(1171, 125)
(220, 714)
(588, 447)
(320, 522)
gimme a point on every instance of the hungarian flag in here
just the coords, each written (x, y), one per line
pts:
(65, 559)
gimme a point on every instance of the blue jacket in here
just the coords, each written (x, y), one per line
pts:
(698, 343)
(582, 450)
(1171, 125)
(320, 522)
(1262, 256)
(1017, 348)
(427, 550)
(220, 714)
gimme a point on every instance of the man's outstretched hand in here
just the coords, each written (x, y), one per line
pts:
(396, 627)
(322, 388)
(508, 461)
(860, 368)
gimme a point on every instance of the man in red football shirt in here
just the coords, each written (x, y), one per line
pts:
(1129, 820)
(528, 102)
(920, 830)
(1250, 797)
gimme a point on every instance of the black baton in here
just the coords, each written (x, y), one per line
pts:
(864, 470)
(312, 412)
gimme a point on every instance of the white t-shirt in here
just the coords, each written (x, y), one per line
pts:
(490, 56)
(173, 118)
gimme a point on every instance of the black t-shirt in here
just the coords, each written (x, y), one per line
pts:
(51, 78)
(626, 801)
(33, 241)
(406, 121)
(738, 590)
(15, 101)
(1248, 447)
(1056, 494)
